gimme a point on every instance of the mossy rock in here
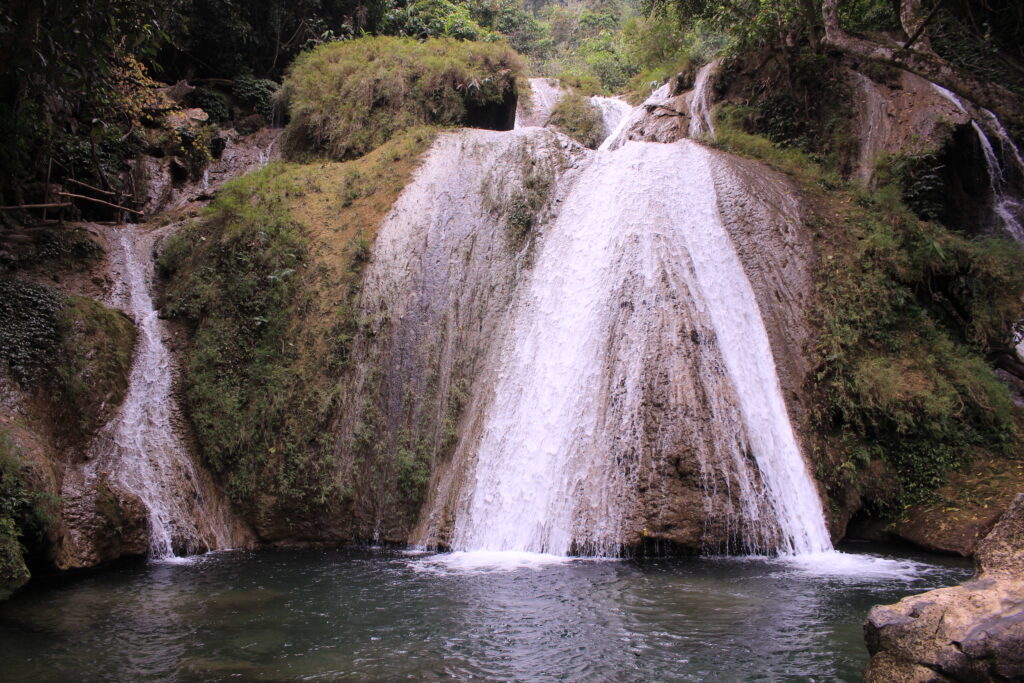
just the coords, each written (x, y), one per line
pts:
(266, 284)
(72, 352)
(578, 118)
(347, 98)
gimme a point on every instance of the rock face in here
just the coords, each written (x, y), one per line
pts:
(971, 632)
(908, 113)
(166, 183)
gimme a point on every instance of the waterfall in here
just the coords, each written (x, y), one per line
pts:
(700, 100)
(1007, 206)
(1007, 203)
(139, 449)
(544, 95)
(613, 112)
(620, 134)
(637, 237)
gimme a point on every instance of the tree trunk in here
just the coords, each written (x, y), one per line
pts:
(1006, 104)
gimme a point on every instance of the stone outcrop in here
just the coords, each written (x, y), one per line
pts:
(169, 182)
(971, 632)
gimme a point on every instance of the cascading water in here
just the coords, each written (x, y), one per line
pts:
(700, 100)
(1007, 202)
(618, 135)
(550, 473)
(613, 112)
(536, 110)
(139, 449)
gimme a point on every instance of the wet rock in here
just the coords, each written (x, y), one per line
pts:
(99, 523)
(971, 632)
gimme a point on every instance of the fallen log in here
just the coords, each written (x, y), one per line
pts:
(100, 201)
(86, 185)
(19, 207)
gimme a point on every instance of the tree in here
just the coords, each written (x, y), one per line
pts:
(917, 56)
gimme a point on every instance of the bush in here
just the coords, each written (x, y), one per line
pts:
(213, 102)
(575, 116)
(348, 98)
(432, 19)
(257, 94)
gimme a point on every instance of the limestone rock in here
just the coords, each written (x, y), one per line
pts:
(971, 632)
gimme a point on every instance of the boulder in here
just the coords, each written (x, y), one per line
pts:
(971, 632)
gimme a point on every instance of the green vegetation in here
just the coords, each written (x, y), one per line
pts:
(348, 98)
(25, 517)
(575, 116)
(907, 310)
(267, 282)
(73, 352)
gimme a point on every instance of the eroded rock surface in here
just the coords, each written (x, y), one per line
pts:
(971, 632)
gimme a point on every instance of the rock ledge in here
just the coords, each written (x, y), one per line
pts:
(971, 632)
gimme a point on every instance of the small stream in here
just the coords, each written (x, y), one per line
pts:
(391, 615)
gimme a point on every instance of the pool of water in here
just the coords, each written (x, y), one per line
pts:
(390, 615)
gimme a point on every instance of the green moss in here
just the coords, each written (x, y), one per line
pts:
(348, 98)
(578, 118)
(907, 310)
(25, 517)
(266, 282)
(91, 375)
(73, 352)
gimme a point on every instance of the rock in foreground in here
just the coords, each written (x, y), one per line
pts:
(971, 632)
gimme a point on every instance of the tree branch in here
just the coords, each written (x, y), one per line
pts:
(920, 29)
(1006, 104)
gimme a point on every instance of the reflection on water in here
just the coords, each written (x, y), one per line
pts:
(383, 615)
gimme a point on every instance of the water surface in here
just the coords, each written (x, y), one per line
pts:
(389, 615)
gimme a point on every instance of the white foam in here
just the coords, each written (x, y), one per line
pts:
(856, 567)
(476, 561)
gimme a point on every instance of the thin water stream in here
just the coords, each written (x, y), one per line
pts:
(385, 616)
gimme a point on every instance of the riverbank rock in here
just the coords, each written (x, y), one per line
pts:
(971, 632)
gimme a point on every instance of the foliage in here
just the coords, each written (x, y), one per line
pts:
(256, 94)
(800, 100)
(72, 73)
(586, 45)
(919, 176)
(660, 47)
(266, 281)
(511, 19)
(29, 334)
(228, 38)
(348, 98)
(74, 352)
(575, 116)
(213, 102)
(907, 310)
(432, 19)
(25, 517)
